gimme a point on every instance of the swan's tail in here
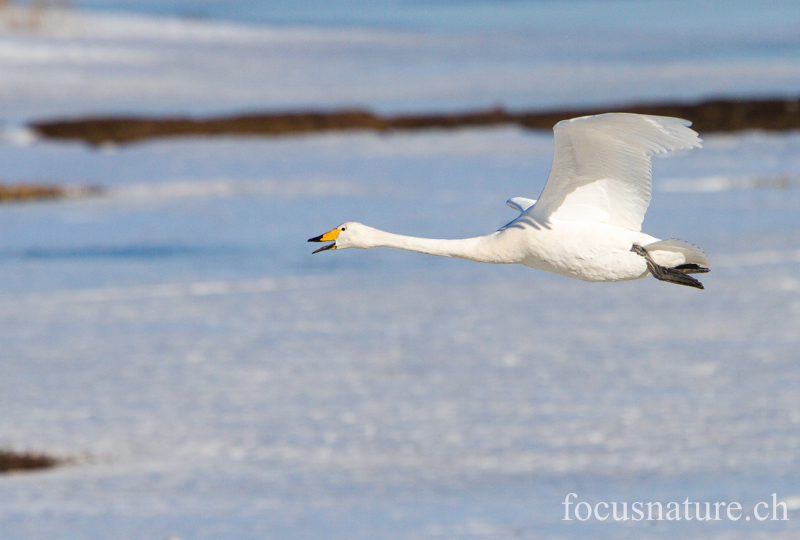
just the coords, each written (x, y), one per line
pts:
(692, 254)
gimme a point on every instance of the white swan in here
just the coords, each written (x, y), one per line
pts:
(586, 224)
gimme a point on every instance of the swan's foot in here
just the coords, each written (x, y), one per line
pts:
(678, 275)
(692, 268)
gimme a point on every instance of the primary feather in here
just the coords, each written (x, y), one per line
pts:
(601, 169)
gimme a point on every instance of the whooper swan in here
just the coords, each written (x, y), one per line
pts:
(587, 222)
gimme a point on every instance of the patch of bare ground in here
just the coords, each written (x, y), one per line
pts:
(719, 115)
(33, 192)
(25, 461)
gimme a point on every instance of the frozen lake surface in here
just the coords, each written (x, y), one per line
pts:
(212, 379)
(101, 64)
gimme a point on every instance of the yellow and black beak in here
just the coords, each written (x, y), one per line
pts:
(327, 237)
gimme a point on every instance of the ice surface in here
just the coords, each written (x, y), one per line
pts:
(102, 64)
(210, 378)
(213, 379)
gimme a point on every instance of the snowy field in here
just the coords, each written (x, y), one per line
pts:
(131, 64)
(210, 378)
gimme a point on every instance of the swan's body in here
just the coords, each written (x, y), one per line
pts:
(587, 222)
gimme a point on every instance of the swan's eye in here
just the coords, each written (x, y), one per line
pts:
(343, 229)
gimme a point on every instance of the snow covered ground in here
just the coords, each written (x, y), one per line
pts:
(212, 379)
(110, 63)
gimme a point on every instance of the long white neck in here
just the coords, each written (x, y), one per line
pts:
(480, 249)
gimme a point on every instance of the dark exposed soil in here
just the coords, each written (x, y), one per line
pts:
(23, 192)
(14, 461)
(721, 115)
(34, 191)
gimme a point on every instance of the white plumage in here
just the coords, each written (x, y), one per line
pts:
(586, 224)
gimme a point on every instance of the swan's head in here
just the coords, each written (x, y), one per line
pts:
(346, 235)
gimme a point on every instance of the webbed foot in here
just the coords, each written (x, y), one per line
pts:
(678, 275)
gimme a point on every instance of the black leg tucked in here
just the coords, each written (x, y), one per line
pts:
(672, 275)
(692, 268)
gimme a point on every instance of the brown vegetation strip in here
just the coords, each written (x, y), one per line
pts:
(13, 461)
(25, 192)
(34, 191)
(716, 115)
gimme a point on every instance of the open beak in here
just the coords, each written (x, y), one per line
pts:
(327, 237)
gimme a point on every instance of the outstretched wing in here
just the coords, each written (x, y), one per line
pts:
(601, 168)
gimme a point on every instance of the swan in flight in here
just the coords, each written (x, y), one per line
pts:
(587, 222)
